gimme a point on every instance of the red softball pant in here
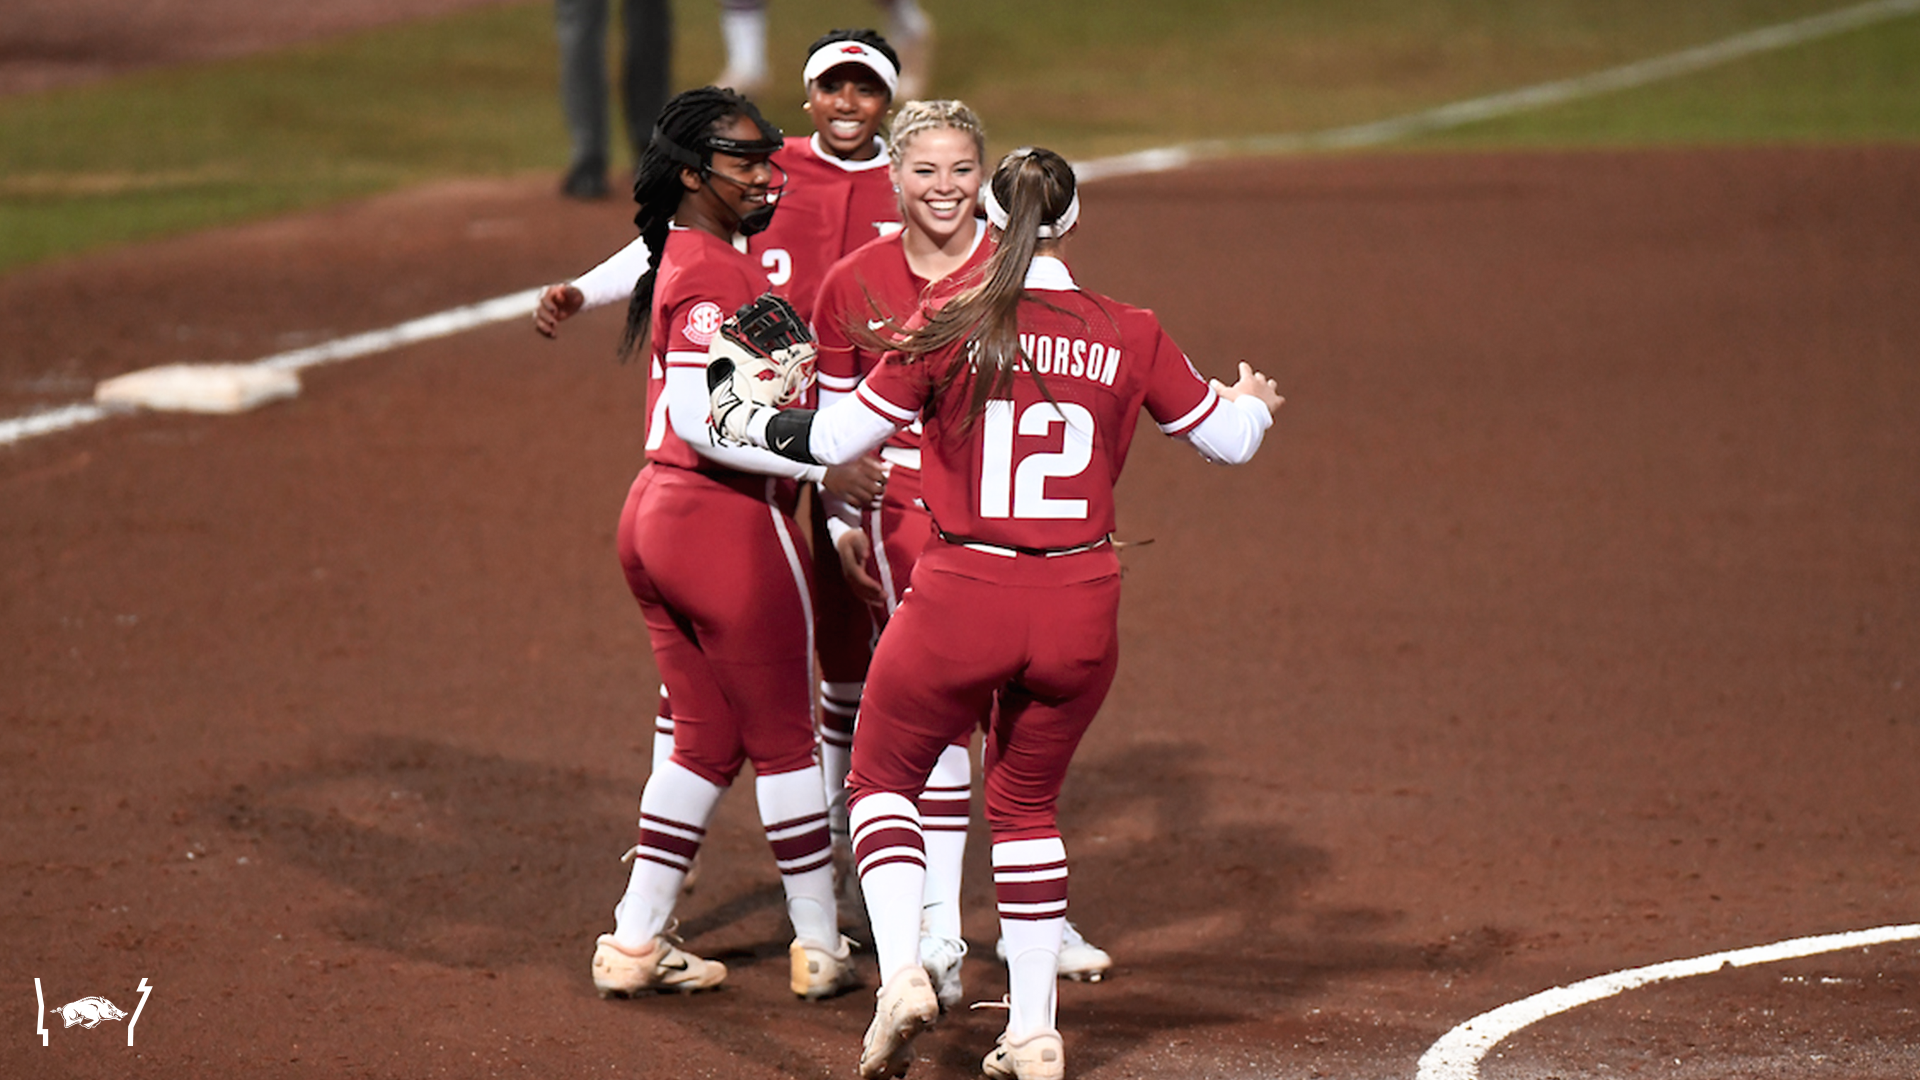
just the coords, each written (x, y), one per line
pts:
(899, 530)
(1040, 633)
(720, 571)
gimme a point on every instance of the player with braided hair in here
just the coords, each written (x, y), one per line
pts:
(837, 198)
(734, 648)
(1029, 388)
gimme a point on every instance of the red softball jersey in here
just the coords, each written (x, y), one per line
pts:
(830, 207)
(870, 286)
(1037, 470)
(703, 280)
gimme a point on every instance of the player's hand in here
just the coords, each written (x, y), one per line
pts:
(1254, 383)
(858, 483)
(558, 303)
(855, 547)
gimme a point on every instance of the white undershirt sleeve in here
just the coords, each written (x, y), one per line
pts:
(846, 430)
(687, 408)
(841, 515)
(613, 280)
(1230, 435)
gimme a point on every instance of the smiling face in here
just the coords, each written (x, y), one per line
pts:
(847, 104)
(939, 175)
(734, 187)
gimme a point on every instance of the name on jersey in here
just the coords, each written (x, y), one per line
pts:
(1075, 358)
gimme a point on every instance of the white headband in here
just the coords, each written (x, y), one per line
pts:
(834, 53)
(997, 215)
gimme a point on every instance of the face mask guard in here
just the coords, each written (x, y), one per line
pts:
(701, 162)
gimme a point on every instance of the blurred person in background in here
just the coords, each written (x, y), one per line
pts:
(646, 66)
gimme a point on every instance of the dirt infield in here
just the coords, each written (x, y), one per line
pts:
(43, 46)
(1568, 625)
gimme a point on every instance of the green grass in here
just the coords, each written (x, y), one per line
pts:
(475, 94)
(1863, 86)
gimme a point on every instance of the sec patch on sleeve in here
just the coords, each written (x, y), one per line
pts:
(703, 321)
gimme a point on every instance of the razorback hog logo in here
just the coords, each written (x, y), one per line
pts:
(88, 1012)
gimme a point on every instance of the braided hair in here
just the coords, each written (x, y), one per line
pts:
(688, 121)
(1036, 186)
(915, 118)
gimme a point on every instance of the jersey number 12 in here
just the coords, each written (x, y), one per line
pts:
(1010, 492)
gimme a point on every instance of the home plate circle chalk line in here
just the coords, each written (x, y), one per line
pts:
(1458, 1053)
(1526, 99)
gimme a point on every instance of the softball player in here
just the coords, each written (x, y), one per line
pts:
(1030, 388)
(733, 648)
(938, 152)
(837, 197)
(743, 28)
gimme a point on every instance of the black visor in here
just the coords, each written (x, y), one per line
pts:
(769, 141)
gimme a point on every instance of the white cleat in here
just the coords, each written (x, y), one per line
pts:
(1039, 1056)
(662, 967)
(941, 957)
(820, 972)
(1080, 960)
(905, 1009)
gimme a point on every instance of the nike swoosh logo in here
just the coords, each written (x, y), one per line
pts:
(783, 443)
(875, 324)
(680, 965)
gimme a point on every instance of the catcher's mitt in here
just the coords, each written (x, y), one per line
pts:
(762, 356)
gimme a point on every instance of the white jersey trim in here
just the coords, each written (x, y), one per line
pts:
(1195, 416)
(1050, 274)
(872, 400)
(877, 161)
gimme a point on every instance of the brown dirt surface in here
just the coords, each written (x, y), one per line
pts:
(63, 42)
(1567, 625)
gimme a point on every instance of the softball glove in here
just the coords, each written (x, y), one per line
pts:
(763, 357)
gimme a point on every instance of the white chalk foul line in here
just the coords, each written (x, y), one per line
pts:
(426, 328)
(1146, 161)
(48, 421)
(1458, 1054)
(1526, 99)
(444, 324)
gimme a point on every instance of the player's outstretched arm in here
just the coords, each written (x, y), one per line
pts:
(1231, 435)
(558, 303)
(1255, 384)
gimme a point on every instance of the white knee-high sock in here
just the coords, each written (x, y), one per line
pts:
(743, 27)
(662, 732)
(839, 705)
(793, 808)
(674, 810)
(945, 808)
(891, 854)
(907, 22)
(1030, 882)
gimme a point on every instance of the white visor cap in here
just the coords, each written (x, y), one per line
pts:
(834, 53)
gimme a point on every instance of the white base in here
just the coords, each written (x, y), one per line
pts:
(202, 388)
